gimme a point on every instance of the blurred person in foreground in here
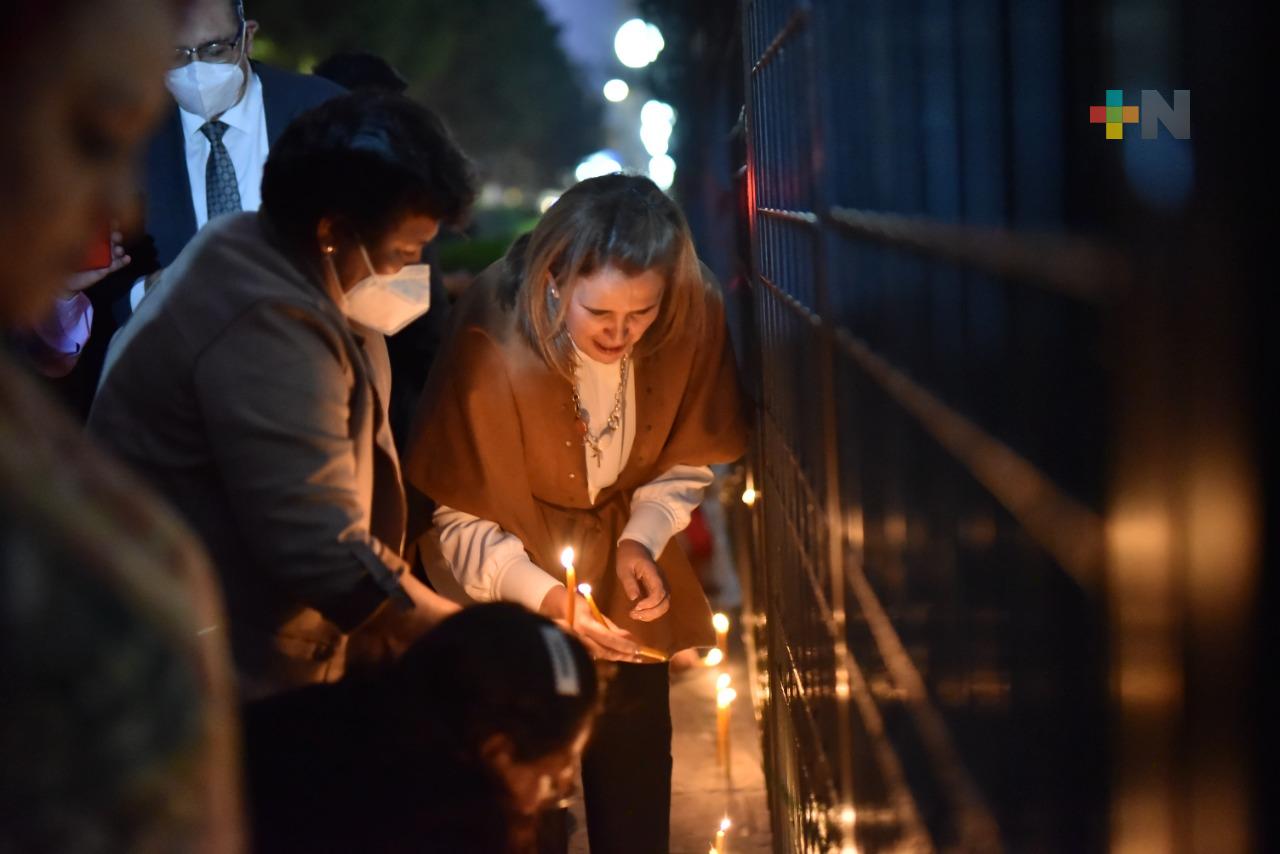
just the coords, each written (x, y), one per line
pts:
(457, 747)
(251, 388)
(117, 727)
(587, 388)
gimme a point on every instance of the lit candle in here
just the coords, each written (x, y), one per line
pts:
(749, 496)
(715, 657)
(720, 622)
(585, 589)
(722, 841)
(645, 651)
(724, 700)
(566, 560)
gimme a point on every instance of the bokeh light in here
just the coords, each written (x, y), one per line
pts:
(662, 169)
(616, 90)
(638, 43)
(600, 163)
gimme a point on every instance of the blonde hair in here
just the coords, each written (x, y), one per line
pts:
(619, 221)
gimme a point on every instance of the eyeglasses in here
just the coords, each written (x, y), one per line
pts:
(222, 51)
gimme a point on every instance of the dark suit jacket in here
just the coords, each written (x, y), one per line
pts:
(252, 404)
(171, 217)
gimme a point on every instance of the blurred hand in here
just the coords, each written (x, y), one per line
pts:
(643, 582)
(602, 640)
(391, 630)
(88, 278)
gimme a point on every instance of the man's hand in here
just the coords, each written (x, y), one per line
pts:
(641, 577)
(602, 640)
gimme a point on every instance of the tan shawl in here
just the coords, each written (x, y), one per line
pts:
(496, 436)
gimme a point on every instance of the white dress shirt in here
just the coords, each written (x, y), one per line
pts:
(492, 564)
(246, 142)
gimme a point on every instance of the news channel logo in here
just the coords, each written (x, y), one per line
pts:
(1152, 112)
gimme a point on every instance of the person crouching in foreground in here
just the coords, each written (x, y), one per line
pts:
(458, 746)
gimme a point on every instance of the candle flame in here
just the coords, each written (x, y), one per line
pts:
(725, 697)
(722, 681)
(566, 557)
(715, 657)
(725, 824)
(584, 588)
(720, 622)
(749, 496)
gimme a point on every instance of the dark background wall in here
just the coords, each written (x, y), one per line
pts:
(1006, 561)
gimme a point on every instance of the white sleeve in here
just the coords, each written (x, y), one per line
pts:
(137, 292)
(661, 508)
(490, 563)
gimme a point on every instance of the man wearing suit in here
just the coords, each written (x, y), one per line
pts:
(205, 160)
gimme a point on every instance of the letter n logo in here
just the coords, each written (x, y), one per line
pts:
(1156, 111)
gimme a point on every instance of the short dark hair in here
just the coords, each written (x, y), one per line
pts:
(368, 160)
(361, 71)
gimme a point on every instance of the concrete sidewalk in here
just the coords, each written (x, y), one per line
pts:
(700, 796)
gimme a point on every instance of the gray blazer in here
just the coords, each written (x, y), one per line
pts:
(252, 403)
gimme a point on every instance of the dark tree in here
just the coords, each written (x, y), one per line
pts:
(493, 69)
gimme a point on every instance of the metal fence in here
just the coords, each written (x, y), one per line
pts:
(963, 418)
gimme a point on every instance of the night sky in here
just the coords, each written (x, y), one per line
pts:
(587, 29)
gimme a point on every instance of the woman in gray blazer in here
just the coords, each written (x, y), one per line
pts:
(251, 388)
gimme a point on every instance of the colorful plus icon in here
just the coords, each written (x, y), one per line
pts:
(1114, 114)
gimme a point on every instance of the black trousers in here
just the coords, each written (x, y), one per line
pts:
(626, 768)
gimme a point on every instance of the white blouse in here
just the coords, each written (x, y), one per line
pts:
(492, 564)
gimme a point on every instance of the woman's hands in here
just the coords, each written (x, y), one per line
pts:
(641, 580)
(602, 640)
(640, 576)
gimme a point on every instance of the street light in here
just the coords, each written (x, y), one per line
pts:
(600, 163)
(657, 113)
(662, 169)
(656, 138)
(616, 90)
(638, 43)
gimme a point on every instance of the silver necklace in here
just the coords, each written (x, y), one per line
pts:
(590, 440)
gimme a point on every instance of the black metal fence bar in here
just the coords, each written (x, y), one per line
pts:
(1068, 530)
(797, 20)
(1072, 533)
(1077, 268)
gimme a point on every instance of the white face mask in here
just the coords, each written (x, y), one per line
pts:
(206, 89)
(389, 303)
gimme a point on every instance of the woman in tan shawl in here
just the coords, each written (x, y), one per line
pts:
(588, 385)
